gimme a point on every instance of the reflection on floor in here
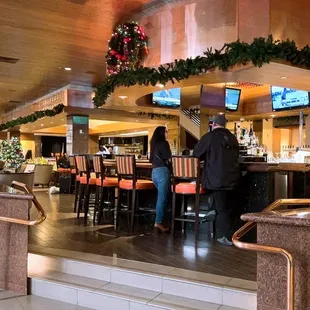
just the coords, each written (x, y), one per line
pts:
(62, 231)
(12, 301)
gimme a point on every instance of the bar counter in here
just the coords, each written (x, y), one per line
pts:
(261, 183)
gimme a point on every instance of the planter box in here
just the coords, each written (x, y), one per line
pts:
(26, 178)
(42, 174)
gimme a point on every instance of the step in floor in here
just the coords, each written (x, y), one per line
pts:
(121, 284)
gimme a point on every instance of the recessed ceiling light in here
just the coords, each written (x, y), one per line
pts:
(221, 113)
(51, 122)
(283, 77)
(160, 85)
(42, 125)
(123, 97)
(68, 69)
(242, 119)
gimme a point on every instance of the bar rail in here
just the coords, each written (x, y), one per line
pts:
(42, 215)
(270, 249)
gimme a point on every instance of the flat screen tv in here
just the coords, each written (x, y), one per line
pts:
(232, 98)
(170, 98)
(288, 98)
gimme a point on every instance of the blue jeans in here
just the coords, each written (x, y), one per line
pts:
(161, 179)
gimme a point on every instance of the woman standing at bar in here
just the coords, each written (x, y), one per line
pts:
(160, 157)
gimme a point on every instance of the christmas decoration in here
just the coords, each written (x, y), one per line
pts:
(127, 48)
(12, 154)
(156, 115)
(259, 52)
(32, 117)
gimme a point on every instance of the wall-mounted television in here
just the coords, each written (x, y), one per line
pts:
(232, 98)
(283, 98)
(170, 98)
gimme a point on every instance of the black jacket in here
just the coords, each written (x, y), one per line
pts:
(220, 151)
(161, 157)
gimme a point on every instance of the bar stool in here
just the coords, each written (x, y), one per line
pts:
(73, 173)
(186, 182)
(103, 183)
(87, 184)
(127, 181)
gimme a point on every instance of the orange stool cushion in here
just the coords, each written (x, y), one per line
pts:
(140, 184)
(73, 171)
(91, 181)
(107, 182)
(187, 188)
(62, 170)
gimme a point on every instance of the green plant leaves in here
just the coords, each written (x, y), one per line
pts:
(259, 52)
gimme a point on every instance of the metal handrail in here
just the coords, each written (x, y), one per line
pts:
(36, 203)
(270, 249)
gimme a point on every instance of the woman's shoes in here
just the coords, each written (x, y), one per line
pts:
(160, 228)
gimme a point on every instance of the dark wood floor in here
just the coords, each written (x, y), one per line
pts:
(61, 230)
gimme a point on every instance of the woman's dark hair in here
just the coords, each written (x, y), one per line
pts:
(159, 136)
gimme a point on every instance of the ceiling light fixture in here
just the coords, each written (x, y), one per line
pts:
(42, 125)
(135, 133)
(160, 85)
(68, 69)
(122, 97)
(283, 77)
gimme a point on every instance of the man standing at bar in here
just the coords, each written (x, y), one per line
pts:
(219, 149)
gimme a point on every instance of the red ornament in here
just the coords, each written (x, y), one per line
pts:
(127, 40)
(112, 52)
(118, 56)
(124, 57)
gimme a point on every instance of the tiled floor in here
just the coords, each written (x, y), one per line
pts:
(62, 231)
(12, 301)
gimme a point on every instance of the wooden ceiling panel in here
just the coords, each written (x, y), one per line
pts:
(48, 35)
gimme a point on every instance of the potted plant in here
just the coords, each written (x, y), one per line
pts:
(11, 154)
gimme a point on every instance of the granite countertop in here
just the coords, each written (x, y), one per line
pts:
(275, 167)
(10, 192)
(297, 217)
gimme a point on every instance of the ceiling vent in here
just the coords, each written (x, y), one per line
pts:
(15, 102)
(80, 2)
(8, 60)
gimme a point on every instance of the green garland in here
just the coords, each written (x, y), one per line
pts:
(32, 117)
(259, 52)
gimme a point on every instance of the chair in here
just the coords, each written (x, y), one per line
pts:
(186, 169)
(87, 183)
(103, 183)
(127, 181)
(73, 173)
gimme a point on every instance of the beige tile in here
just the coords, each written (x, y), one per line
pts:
(140, 266)
(40, 303)
(199, 277)
(229, 308)
(10, 304)
(137, 279)
(180, 303)
(8, 294)
(238, 298)
(243, 284)
(128, 292)
(71, 280)
(208, 293)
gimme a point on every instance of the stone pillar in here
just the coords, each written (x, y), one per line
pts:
(93, 144)
(77, 134)
(14, 240)
(288, 230)
(37, 146)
